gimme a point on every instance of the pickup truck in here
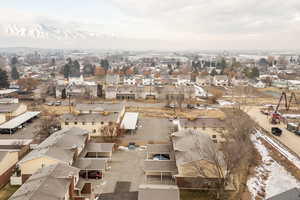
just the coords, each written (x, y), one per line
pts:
(294, 128)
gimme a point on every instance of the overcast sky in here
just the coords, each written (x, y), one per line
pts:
(203, 24)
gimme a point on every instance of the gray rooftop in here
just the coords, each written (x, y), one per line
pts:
(202, 122)
(17, 121)
(292, 194)
(91, 164)
(159, 148)
(190, 145)
(108, 107)
(160, 166)
(99, 147)
(90, 117)
(48, 183)
(60, 145)
(156, 192)
(7, 108)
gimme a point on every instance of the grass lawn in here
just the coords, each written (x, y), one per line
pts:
(7, 191)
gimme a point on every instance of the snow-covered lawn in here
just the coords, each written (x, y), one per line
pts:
(225, 103)
(271, 178)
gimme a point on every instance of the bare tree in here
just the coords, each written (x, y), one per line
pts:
(228, 157)
(111, 131)
(48, 124)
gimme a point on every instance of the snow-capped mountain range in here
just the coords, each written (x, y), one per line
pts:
(45, 31)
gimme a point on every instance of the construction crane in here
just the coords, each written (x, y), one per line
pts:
(276, 116)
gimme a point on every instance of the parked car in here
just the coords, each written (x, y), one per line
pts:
(161, 157)
(91, 174)
(57, 103)
(294, 128)
(276, 131)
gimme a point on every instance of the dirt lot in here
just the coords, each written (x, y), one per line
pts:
(288, 138)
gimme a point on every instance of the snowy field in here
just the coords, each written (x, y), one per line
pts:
(271, 178)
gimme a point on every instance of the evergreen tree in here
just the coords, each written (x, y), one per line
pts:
(213, 72)
(75, 69)
(14, 73)
(66, 70)
(3, 79)
(105, 64)
(254, 72)
(14, 61)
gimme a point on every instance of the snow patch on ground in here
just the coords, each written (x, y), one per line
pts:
(270, 178)
(291, 116)
(294, 159)
(225, 103)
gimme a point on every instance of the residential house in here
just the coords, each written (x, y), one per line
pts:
(100, 108)
(98, 125)
(213, 127)
(129, 80)
(221, 80)
(183, 79)
(204, 80)
(8, 161)
(259, 84)
(12, 110)
(194, 151)
(63, 146)
(76, 88)
(189, 151)
(112, 79)
(148, 81)
(53, 182)
(2, 118)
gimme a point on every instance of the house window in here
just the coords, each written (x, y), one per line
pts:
(75, 123)
(102, 123)
(94, 130)
(214, 136)
(83, 123)
(66, 123)
(93, 123)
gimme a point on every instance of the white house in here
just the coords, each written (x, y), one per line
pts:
(129, 80)
(221, 80)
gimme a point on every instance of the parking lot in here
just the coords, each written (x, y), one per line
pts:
(150, 129)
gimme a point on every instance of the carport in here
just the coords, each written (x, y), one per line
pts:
(129, 122)
(159, 149)
(99, 150)
(97, 167)
(12, 125)
(163, 169)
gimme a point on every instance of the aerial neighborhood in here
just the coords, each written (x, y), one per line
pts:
(85, 125)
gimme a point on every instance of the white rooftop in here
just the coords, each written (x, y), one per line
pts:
(129, 121)
(17, 121)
